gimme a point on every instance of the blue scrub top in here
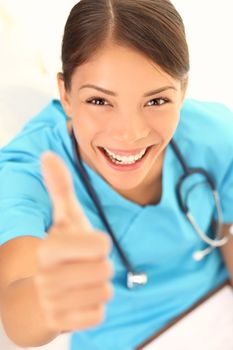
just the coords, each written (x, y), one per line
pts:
(157, 239)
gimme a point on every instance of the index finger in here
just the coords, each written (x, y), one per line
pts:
(61, 190)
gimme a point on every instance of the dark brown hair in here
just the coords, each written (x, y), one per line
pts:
(152, 27)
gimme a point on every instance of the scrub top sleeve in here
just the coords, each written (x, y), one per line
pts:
(226, 195)
(25, 208)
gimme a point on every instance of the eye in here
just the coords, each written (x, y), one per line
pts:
(97, 101)
(158, 101)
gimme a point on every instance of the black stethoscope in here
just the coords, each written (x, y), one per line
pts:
(140, 278)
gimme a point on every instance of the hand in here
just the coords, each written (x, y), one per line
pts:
(73, 267)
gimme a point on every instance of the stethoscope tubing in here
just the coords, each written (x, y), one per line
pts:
(217, 242)
(140, 278)
(98, 206)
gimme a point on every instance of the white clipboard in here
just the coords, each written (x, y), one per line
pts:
(208, 325)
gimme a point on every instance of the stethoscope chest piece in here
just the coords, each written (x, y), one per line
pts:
(136, 279)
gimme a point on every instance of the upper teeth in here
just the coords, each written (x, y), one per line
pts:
(124, 158)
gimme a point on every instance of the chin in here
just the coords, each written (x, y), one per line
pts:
(123, 183)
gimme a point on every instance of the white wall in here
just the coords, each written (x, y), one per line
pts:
(209, 27)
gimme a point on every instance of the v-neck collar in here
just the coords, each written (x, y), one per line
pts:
(104, 187)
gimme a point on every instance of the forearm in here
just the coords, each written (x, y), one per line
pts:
(227, 253)
(22, 315)
(227, 250)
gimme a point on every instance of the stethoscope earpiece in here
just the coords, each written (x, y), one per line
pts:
(200, 254)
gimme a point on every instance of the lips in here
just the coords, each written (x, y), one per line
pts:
(125, 167)
(108, 157)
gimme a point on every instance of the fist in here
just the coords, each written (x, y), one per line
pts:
(74, 272)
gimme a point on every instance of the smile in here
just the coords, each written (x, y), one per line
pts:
(123, 163)
(119, 159)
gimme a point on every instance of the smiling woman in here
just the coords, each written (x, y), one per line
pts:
(120, 138)
(124, 121)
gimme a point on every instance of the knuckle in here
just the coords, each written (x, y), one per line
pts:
(46, 295)
(77, 320)
(62, 223)
(46, 285)
(54, 319)
(50, 321)
(86, 318)
(105, 269)
(40, 283)
(45, 251)
(47, 308)
(105, 242)
(42, 253)
(107, 291)
(99, 314)
(55, 311)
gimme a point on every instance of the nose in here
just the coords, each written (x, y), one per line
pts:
(129, 128)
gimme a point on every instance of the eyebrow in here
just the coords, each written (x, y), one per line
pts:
(112, 93)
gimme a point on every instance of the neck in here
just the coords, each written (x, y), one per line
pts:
(150, 191)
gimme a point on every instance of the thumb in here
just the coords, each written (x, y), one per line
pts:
(61, 190)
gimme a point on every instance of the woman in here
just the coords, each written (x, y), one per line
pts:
(122, 101)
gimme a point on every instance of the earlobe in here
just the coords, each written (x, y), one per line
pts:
(64, 95)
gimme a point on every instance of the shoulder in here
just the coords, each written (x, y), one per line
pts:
(206, 122)
(20, 170)
(39, 134)
(22, 192)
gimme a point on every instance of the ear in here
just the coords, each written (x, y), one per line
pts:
(64, 95)
(184, 87)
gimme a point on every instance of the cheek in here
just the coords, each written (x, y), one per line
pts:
(89, 118)
(86, 128)
(165, 122)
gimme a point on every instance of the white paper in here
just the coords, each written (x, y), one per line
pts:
(207, 327)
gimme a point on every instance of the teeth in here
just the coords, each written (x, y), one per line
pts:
(124, 159)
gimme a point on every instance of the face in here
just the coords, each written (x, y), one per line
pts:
(131, 107)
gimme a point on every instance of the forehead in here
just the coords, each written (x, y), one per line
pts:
(122, 66)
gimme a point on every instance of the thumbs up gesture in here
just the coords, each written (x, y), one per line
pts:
(74, 272)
